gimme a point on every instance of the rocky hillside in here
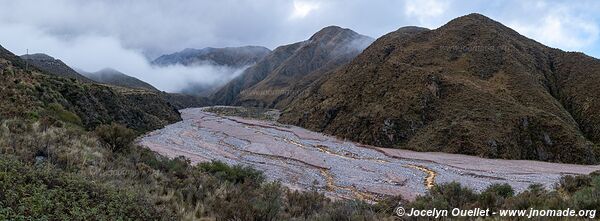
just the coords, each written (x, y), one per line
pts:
(31, 94)
(291, 67)
(472, 86)
(50, 65)
(113, 77)
(235, 57)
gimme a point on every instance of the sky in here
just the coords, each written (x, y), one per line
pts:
(126, 34)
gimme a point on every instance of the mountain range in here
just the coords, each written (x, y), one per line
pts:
(291, 67)
(235, 57)
(472, 86)
(229, 61)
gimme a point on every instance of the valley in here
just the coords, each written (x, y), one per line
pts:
(305, 160)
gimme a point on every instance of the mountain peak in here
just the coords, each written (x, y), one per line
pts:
(38, 56)
(108, 71)
(474, 19)
(410, 29)
(330, 32)
(476, 16)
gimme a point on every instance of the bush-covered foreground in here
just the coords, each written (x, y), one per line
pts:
(62, 172)
(59, 173)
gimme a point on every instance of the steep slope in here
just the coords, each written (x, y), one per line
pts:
(236, 57)
(114, 77)
(31, 94)
(291, 67)
(472, 86)
(53, 66)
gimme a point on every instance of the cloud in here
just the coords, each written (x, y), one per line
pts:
(302, 8)
(560, 29)
(92, 53)
(124, 34)
(424, 10)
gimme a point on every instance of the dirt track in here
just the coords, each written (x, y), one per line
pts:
(303, 159)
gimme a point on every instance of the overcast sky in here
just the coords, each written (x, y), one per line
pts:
(123, 34)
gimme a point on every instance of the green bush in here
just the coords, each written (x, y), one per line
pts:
(234, 174)
(571, 184)
(304, 204)
(446, 196)
(116, 137)
(588, 197)
(58, 112)
(495, 195)
(48, 194)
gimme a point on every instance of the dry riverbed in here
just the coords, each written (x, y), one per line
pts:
(304, 160)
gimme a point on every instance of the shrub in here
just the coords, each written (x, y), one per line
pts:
(448, 195)
(30, 193)
(234, 174)
(588, 197)
(57, 111)
(303, 204)
(571, 184)
(178, 166)
(115, 136)
(494, 196)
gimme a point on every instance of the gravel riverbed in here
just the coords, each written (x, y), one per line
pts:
(303, 159)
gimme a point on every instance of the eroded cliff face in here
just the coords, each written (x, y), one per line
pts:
(29, 93)
(472, 86)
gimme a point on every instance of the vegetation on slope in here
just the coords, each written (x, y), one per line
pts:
(472, 86)
(64, 172)
(58, 173)
(30, 93)
(289, 68)
(53, 66)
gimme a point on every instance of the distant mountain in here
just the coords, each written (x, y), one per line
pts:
(53, 66)
(235, 57)
(291, 67)
(472, 86)
(114, 77)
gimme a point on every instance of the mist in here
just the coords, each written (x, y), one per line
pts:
(92, 53)
(124, 35)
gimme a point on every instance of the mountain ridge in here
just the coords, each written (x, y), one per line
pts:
(275, 78)
(235, 57)
(114, 77)
(36, 94)
(472, 86)
(54, 66)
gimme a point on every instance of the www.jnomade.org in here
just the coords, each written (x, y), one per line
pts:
(477, 212)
